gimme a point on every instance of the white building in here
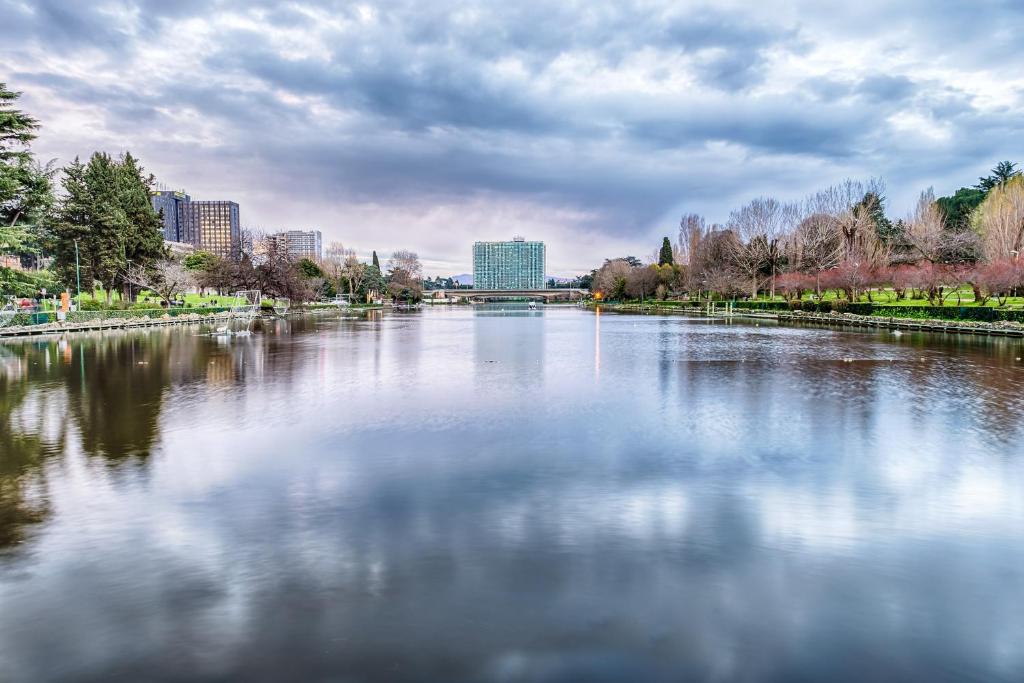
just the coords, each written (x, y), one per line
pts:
(301, 243)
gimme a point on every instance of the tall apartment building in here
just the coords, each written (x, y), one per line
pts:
(301, 243)
(509, 265)
(212, 226)
(170, 203)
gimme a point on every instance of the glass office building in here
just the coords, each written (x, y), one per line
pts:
(213, 227)
(170, 202)
(509, 265)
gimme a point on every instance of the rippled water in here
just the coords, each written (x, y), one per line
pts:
(494, 494)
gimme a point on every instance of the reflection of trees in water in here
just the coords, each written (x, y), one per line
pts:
(109, 387)
(112, 388)
(115, 401)
(25, 447)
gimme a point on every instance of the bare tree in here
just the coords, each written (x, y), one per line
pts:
(333, 262)
(852, 278)
(711, 264)
(1000, 220)
(641, 282)
(166, 279)
(794, 284)
(257, 244)
(761, 226)
(692, 229)
(925, 232)
(406, 262)
(926, 237)
(817, 246)
(853, 205)
(611, 278)
(998, 279)
(337, 252)
(354, 272)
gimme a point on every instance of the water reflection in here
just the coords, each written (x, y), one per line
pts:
(321, 501)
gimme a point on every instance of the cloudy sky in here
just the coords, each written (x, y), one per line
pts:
(591, 125)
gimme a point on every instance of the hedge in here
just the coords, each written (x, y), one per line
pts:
(978, 313)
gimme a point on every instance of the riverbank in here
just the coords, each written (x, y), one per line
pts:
(1003, 328)
(91, 321)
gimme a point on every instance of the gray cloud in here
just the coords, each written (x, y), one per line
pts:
(622, 113)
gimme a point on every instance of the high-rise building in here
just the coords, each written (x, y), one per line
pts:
(301, 243)
(509, 265)
(212, 226)
(208, 225)
(170, 202)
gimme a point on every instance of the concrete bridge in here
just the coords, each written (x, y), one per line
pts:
(567, 293)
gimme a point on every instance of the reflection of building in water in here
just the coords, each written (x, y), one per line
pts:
(220, 368)
(508, 343)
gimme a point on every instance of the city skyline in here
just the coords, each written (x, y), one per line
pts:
(594, 139)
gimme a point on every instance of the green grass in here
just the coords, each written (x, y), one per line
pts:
(887, 297)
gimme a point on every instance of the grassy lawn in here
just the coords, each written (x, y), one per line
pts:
(146, 297)
(884, 297)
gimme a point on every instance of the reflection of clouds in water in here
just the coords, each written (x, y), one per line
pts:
(718, 503)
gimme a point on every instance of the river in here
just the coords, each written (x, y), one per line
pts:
(497, 494)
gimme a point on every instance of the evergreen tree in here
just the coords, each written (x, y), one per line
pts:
(17, 129)
(665, 257)
(106, 208)
(109, 228)
(143, 240)
(957, 210)
(1003, 171)
(376, 261)
(873, 205)
(200, 261)
(71, 225)
(373, 281)
(26, 188)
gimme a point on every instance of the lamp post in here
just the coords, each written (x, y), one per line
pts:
(78, 278)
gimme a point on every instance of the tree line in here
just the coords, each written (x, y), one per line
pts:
(96, 229)
(840, 239)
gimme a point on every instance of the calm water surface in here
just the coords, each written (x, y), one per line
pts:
(500, 495)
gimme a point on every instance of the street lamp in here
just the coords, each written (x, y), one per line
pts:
(78, 278)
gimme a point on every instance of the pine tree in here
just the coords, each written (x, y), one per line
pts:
(72, 223)
(143, 239)
(108, 230)
(107, 209)
(1003, 171)
(17, 129)
(373, 281)
(26, 188)
(665, 257)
